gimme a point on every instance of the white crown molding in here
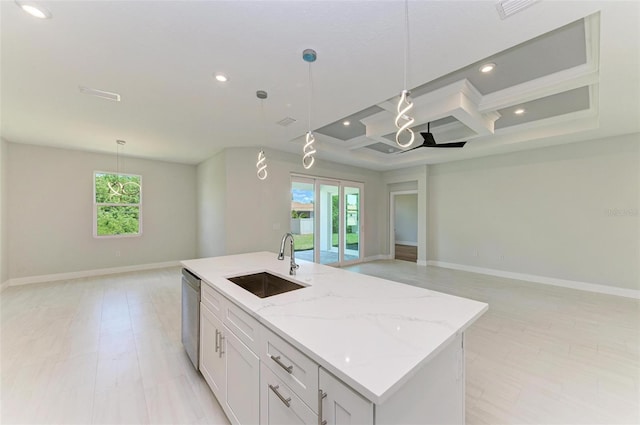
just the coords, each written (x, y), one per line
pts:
(459, 99)
(568, 79)
(586, 74)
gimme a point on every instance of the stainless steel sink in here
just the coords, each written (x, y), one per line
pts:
(264, 284)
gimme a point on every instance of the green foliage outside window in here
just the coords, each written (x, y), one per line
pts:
(117, 204)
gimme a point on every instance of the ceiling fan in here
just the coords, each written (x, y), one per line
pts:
(430, 142)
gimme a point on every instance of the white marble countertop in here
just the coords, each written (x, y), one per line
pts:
(373, 334)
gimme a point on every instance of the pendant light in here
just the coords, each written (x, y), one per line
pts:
(118, 188)
(403, 120)
(309, 55)
(261, 165)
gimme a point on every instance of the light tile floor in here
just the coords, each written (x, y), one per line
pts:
(107, 350)
(101, 350)
(541, 354)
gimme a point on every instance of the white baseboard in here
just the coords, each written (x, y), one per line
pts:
(377, 258)
(87, 273)
(583, 286)
(421, 262)
(4, 285)
(407, 243)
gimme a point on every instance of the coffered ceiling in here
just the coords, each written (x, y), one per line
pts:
(573, 66)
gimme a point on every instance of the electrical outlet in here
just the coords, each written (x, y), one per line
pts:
(117, 253)
(501, 257)
(475, 253)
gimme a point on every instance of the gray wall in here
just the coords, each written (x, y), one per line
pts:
(211, 209)
(568, 212)
(4, 194)
(51, 212)
(257, 213)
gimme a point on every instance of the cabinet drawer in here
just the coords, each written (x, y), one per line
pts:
(288, 410)
(244, 326)
(212, 299)
(296, 370)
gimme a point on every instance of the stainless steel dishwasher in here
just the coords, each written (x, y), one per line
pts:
(191, 315)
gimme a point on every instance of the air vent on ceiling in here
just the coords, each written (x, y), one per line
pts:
(507, 8)
(286, 121)
(382, 148)
(100, 93)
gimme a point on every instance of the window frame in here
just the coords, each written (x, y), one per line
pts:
(107, 204)
(317, 181)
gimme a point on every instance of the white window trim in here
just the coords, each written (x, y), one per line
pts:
(97, 204)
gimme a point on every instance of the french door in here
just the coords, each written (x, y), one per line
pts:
(326, 220)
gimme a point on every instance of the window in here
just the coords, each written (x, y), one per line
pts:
(117, 204)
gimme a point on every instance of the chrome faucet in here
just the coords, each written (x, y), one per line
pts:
(293, 266)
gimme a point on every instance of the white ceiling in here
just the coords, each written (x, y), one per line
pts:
(160, 56)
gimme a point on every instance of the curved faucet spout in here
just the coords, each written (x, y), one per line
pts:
(292, 266)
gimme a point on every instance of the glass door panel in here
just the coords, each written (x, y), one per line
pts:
(303, 218)
(351, 226)
(328, 223)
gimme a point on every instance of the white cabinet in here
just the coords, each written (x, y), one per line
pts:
(296, 370)
(279, 405)
(212, 364)
(242, 395)
(230, 368)
(340, 405)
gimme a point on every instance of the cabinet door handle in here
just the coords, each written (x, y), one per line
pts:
(221, 344)
(217, 341)
(282, 365)
(321, 396)
(286, 401)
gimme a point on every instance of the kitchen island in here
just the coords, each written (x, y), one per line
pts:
(345, 348)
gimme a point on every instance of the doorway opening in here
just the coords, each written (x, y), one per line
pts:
(404, 225)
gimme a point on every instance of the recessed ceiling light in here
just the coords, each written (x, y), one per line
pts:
(487, 67)
(346, 123)
(519, 111)
(221, 77)
(34, 10)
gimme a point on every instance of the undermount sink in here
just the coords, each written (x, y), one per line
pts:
(264, 284)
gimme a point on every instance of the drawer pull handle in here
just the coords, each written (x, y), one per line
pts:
(286, 401)
(217, 340)
(282, 365)
(321, 396)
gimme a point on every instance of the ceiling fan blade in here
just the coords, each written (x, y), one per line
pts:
(448, 145)
(414, 148)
